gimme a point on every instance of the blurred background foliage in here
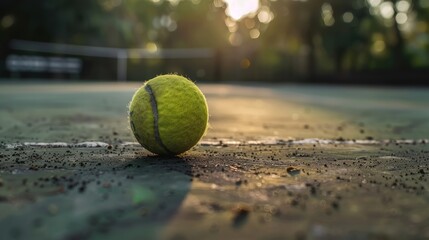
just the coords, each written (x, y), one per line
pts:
(369, 41)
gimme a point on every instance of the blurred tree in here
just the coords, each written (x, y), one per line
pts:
(398, 47)
(302, 22)
(419, 40)
(104, 22)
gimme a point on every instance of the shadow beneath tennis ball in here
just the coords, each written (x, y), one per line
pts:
(152, 188)
(156, 186)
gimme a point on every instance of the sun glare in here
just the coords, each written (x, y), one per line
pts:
(237, 9)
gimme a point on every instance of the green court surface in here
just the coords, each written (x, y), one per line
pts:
(278, 162)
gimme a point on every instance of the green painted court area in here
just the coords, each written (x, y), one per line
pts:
(277, 162)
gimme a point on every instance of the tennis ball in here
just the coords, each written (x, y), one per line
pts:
(168, 115)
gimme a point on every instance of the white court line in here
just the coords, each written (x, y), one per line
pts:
(221, 142)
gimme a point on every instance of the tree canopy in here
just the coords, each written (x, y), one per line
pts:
(273, 39)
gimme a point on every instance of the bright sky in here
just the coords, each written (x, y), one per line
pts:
(238, 9)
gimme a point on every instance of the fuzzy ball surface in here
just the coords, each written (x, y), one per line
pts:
(168, 115)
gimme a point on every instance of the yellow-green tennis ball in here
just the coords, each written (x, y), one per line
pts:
(168, 115)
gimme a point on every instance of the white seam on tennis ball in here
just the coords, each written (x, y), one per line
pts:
(154, 106)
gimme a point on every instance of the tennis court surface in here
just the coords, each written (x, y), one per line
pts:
(278, 162)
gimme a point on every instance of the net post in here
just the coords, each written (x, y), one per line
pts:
(122, 65)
